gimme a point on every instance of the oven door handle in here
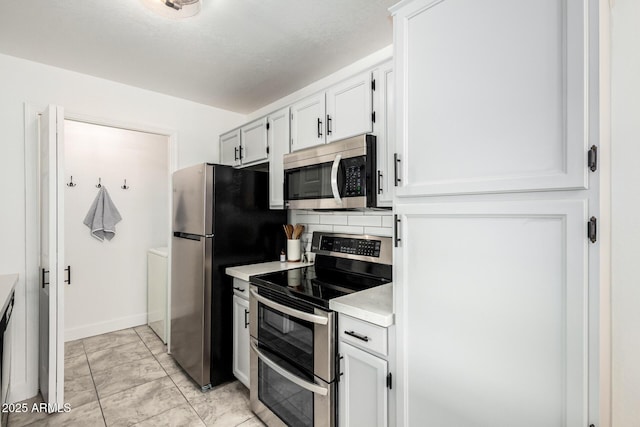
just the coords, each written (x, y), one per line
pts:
(334, 179)
(313, 318)
(314, 388)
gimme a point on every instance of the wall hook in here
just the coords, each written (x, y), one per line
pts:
(99, 183)
(71, 183)
(125, 186)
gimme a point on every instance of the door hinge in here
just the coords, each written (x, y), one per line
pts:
(592, 229)
(593, 158)
(267, 149)
(268, 125)
(389, 381)
(373, 84)
(373, 117)
(396, 238)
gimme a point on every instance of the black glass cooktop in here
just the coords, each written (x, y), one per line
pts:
(316, 285)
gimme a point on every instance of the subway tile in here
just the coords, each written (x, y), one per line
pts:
(334, 219)
(387, 221)
(379, 231)
(379, 212)
(320, 227)
(348, 229)
(308, 219)
(368, 221)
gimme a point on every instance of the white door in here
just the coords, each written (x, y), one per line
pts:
(363, 389)
(349, 110)
(494, 95)
(230, 148)
(278, 136)
(307, 122)
(384, 129)
(494, 322)
(254, 142)
(51, 360)
(241, 339)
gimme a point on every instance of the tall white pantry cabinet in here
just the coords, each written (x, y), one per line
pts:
(496, 265)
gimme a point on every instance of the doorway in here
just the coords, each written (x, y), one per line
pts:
(108, 290)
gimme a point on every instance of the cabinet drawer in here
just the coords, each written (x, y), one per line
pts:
(241, 288)
(363, 334)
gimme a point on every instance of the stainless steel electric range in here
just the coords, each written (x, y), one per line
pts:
(293, 360)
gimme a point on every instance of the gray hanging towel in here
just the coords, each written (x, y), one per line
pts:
(102, 216)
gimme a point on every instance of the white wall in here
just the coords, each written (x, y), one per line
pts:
(196, 128)
(109, 287)
(625, 122)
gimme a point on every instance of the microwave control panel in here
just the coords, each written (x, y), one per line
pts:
(355, 177)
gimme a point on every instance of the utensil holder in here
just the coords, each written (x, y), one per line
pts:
(293, 250)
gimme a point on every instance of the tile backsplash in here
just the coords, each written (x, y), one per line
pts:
(377, 223)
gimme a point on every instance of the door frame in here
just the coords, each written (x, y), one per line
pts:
(27, 323)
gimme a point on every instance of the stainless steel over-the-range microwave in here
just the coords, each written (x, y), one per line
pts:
(338, 175)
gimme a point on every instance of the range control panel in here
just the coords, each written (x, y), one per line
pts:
(362, 247)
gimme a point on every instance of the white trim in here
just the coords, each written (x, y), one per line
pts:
(104, 327)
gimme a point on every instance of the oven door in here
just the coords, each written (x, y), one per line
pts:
(281, 394)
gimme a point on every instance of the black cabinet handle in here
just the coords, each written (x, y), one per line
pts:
(379, 182)
(238, 289)
(396, 162)
(357, 335)
(396, 235)
(246, 320)
(319, 128)
(68, 270)
(235, 153)
(241, 152)
(328, 124)
(44, 281)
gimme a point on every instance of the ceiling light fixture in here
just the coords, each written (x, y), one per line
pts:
(176, 9)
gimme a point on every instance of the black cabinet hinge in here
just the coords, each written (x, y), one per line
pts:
(267, 149)
(373, 117)
(373, 84)
(389, 381)
(592, 229)
(268, 125)
(396, 237)
(593, 158)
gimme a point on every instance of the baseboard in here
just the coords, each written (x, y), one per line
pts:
(22, 391)
(104, 327)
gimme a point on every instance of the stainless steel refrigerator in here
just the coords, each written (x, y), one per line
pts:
(221, 218)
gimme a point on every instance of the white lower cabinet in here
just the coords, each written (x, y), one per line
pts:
(363, 393)
(241, 339)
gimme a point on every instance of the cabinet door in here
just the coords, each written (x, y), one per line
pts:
(307, 122)
(241, 339)
(362, 388)
(491, 302)
(349, 108)
(493, 104)
(253, 146)
(230, 148)
(278, 137)
(384, 129)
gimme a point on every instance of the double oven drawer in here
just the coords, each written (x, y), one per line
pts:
(292, 361)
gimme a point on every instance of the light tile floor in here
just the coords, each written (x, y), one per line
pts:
(126, 378)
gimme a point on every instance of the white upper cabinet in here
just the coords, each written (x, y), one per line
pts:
(308, 122)
(349, 109)
(494, 96)
(278, 137)
(384, 129)
(253, 142)
(230, 148)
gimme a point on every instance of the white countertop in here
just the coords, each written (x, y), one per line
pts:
(373, 305)
(7, 283)
(243, 272)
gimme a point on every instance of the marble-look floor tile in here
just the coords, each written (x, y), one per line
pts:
(81, 416)
(192, 391)
(252, 422)
(183, 416)
(151, 340)
(73, 349)
(142, 402)
(111, 357)
(127, 375)
(20, 419)
(168, 363)
(227, 405)
(79, 391)
(112, 339)
(76, 367)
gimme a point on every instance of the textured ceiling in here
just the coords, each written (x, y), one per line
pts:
(236, 54)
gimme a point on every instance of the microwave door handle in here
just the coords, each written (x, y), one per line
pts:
(313, 318)
(314, 388)
(334, 179)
